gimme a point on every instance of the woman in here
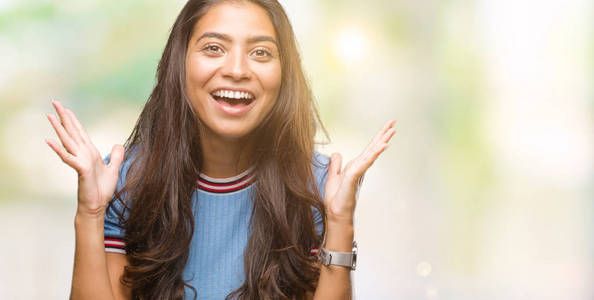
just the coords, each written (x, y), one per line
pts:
(231, 98)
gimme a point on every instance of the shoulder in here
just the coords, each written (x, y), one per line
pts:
(320, 162)
(117, 209)
(117, 204)
(129, 157)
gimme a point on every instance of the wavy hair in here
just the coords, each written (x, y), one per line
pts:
(168, 159)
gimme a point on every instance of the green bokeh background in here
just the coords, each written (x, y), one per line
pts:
(486, 191)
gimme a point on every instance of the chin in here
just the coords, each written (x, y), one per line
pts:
(232, 133)
(227, 129)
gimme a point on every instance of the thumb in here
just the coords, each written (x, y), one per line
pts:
(117, 156)
(335, 165)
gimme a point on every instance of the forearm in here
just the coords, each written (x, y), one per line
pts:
(90, 278)
(335, 281)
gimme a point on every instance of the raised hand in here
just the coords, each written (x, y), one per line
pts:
(342, 185)
(96, 180)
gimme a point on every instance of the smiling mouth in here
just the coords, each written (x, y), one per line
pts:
(233, 98)
(233, 101)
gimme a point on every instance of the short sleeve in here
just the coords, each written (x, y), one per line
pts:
(113, 226)
(320, 169)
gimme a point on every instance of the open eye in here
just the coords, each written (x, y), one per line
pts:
(212, 49)
(261, 53)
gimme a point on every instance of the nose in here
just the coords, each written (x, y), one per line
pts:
(236, 66)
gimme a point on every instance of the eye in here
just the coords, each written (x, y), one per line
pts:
(212, 49)
(261, 53)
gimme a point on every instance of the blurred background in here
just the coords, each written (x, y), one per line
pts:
(486, 191)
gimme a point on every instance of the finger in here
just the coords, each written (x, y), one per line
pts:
(378, 148)
(66, 121)
(116, 158)
(388, 125)
(335, 164)
(66, 157)
(333, 178)
(81, 130)
(388, 135)
(359, 165)
(378, 135)
(65, 138)
(384, 138)
(365, 162)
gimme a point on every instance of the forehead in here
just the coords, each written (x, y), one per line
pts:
(238, 19)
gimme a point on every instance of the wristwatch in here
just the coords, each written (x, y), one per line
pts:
(346, 259)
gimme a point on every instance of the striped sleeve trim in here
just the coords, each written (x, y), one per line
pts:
(114, 245)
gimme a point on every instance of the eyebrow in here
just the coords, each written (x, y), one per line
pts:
(227, 38)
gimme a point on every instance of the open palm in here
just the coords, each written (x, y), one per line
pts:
(96, 180)
(342, 185)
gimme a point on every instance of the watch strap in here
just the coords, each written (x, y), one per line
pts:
(346, 259)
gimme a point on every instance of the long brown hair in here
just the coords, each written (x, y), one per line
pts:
(167, 161)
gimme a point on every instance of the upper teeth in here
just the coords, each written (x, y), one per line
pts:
(233, 94)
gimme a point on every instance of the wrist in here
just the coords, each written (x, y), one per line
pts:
(84, 218)
(341, 228)
(89, 230)
(91, 212)
(339, 237)
(340, 220)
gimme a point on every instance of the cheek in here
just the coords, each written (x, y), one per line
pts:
(198, 71)
(270, 77)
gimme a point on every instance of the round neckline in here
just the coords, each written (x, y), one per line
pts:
(228, 184)
(227, 179)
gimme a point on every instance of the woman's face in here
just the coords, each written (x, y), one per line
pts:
(233, 71)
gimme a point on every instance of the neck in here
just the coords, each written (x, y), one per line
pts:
(223, 157)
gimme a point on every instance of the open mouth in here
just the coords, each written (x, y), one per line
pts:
(233, 98)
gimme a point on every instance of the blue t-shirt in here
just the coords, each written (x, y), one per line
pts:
(222, 208)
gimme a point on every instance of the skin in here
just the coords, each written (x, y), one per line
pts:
(223, 52)
(340, 199)
(96, 274)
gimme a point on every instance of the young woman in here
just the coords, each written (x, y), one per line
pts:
(218, 191)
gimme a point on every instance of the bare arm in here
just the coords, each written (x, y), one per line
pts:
(90, 277)
(96, 273)
(340, 199)
(93, 269)
(115, 266)
(335, 281)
